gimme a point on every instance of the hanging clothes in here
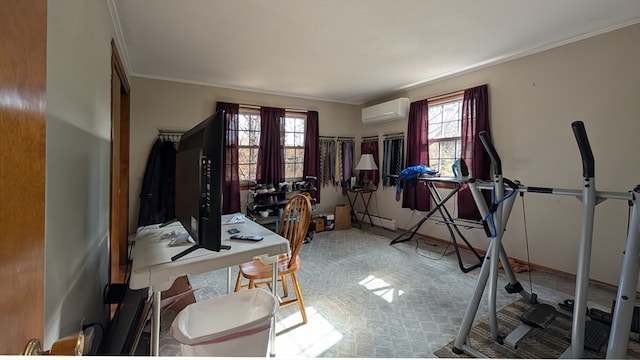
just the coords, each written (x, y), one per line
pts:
(157, 196)
(393, 161)
(327, 161)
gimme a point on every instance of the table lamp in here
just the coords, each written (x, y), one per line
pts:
(366, 163)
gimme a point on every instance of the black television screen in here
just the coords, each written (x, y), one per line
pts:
(199, 178)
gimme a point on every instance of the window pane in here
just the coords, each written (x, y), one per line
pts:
(435, 114)
(451, 111)
(289, 139)
(451, 129)
(244, 155)
(435, 131)
(446, 166)
(448, 149)
(434, 150)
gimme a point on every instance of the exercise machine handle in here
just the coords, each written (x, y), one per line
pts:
(493, 154)
(588, 163)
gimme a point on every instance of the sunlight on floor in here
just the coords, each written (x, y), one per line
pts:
(309, 340)
(380, 288)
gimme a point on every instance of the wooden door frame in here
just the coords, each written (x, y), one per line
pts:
(119, 206)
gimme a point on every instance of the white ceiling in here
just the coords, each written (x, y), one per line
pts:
(349, 51)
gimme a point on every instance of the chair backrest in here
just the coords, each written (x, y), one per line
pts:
(294, 223)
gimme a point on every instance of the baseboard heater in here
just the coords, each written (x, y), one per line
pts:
(378, 220)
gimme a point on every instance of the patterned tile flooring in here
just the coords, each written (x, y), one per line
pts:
(365, 298)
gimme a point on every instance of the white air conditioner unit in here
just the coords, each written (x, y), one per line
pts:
(387, 111)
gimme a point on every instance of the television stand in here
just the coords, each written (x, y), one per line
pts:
(194, 248)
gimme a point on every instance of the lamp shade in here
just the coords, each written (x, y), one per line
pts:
(366, 163)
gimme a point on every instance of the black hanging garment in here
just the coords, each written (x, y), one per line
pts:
(157, 196)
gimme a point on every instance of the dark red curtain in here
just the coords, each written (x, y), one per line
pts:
(475, 118)
(270, 166)
(311, 166)
(370, 147)
(231, 186)
(415, 194)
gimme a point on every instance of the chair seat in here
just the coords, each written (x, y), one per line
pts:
(256, 269)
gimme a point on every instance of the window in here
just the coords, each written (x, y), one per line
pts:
(294, 145)
(445, 118)
(249, 140)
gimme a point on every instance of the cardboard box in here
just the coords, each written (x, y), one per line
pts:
(319, 224)
(179, 295)
(342, 214)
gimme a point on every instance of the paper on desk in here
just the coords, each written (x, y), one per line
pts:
(236, 218)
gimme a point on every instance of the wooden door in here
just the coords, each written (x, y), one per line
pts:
(23, 62)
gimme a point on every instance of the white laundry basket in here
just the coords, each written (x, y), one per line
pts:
(236, 324)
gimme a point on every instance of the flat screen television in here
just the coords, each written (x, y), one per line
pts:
(199, 178)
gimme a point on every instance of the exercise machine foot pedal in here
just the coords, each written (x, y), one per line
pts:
(513, 288)
(567, 306)
(600, 316)
(539, 315)
(596, 335)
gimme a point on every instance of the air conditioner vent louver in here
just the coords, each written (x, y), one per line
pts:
(386, 111)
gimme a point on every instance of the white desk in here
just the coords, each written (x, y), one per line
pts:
(152, 266)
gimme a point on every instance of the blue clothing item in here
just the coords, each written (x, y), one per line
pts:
(413, 172)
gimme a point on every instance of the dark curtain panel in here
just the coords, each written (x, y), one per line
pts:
(312, 150)
(370, 147)
(231, 186)
(415, 195)
(475, 118)
(270, 166)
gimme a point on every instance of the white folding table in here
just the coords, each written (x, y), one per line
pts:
(152, 266)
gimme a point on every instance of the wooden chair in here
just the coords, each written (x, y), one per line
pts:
(294, 223)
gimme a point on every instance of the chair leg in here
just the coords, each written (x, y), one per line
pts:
(296, 287)
(252, 284)
(285, 286)
(238, 282)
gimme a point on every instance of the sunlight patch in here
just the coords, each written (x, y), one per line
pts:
(309, 340)
(381, 288)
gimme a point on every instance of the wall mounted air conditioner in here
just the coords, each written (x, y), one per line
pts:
(387, 111)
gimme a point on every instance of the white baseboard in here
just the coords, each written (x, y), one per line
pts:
(378, 221)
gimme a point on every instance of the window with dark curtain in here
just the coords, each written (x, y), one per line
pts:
(312, 150)
(475, 118)
(393, 159)
(415, 194)
(270, 165)
(370, 146)
(231, 186)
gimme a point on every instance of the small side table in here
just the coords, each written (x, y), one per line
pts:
(365, 201)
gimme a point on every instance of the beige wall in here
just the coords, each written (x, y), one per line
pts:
(168, 105)
(78, 150)
(533, 102)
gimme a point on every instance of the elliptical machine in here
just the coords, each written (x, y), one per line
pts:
(495, 217)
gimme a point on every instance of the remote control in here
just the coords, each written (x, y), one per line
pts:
(247, 237)
(233, 231)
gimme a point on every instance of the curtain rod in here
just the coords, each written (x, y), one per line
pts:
(394, 134)
(372, 137)
(336, 137)
(452, 93)
(170, 132)
(257, 107)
